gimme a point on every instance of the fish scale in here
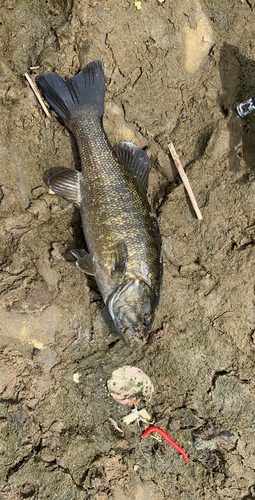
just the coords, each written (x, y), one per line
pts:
(107, 191)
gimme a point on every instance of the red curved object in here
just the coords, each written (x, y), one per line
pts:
(167, 438)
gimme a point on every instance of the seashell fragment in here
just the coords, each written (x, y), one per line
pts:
(129, 384)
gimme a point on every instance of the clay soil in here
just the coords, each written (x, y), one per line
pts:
(175, 70)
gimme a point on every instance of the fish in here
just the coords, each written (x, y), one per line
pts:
(120, 227)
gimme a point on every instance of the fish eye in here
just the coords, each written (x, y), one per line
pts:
(146, 319)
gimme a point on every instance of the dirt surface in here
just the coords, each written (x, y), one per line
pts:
(175, 70)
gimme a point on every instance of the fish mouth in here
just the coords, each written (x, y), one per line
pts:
(133, 334)
(138, 331)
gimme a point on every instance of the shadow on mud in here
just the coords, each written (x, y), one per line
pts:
(237, 74)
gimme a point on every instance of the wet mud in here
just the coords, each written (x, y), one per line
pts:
(174, 71)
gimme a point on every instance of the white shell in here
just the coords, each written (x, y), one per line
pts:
(129, 384)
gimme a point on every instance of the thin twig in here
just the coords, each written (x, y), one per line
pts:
(115, 425)
(185, 179)
(38, 95)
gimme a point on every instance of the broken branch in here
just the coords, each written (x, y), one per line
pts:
(38, 95)
(184, 179)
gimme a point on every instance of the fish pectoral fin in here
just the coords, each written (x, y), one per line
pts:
(136, 160)
(67, 185)
(79, 253)
(85, 261)
(120, 260)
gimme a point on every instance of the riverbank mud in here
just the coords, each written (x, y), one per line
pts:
(174, 71)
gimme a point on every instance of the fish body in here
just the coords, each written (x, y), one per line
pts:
(120, 228)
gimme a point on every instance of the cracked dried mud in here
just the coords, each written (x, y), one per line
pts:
(175, 70)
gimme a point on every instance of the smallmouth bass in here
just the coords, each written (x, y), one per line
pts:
(120, 228)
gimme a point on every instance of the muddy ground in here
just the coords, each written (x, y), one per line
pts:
(175, 70)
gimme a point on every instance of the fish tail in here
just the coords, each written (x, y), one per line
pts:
(66, 95)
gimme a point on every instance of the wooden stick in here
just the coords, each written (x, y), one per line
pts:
(184, 179)
(38, 95)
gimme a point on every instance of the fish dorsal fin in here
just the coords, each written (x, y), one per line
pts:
(85, 261)
(120, 260)
(136, 160)
(67, 185)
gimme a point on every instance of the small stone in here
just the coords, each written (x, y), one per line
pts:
(58, 251)
(32, 403)
(76, 377)
(27, 490)
(38, 191)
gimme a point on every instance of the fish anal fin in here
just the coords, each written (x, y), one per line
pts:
(67, 185)
(85, 261)
(136, 160)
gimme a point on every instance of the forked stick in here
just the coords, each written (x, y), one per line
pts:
(184, 179)
(38, 95)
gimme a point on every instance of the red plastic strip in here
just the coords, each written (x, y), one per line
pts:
(167, 438)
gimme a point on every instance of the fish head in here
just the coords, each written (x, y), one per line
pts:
(132, 308)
